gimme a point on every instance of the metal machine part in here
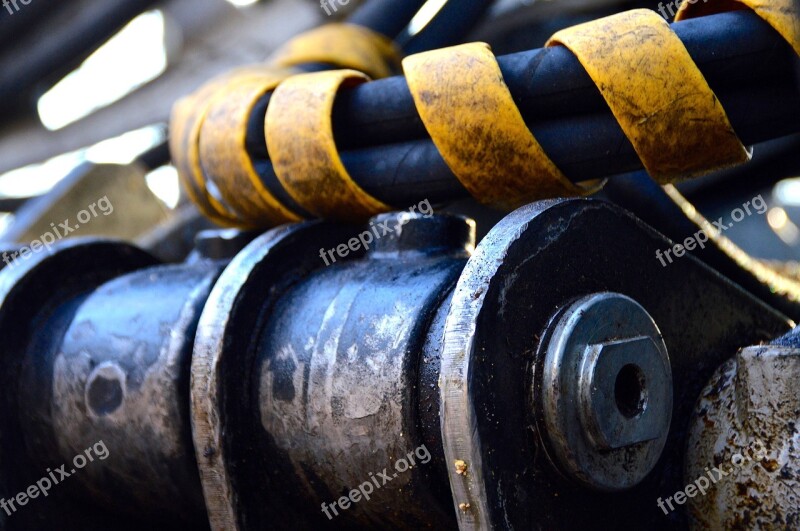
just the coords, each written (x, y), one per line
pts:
(119, 372)
(102, 352)
(308, 377)
(743, 453)
(503, 470)
(331, 363)
(38, 297)
(607, 391)
(352, 366)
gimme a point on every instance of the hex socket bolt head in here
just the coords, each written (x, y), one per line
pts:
(621, 384)
(606, 391)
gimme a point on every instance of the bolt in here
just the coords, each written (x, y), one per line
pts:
(606, 391)
(617, 381)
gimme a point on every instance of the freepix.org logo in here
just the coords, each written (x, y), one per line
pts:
(717, 227)
(63, 230)
(15, 3)
(330, 6)
(380, 479)
(374, 232)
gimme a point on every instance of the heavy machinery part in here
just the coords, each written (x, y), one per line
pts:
(742, 454)
(387, 151)
(606, 391)
(37, 297)
(501, 162)
(657, 94)
(308, 380)
(321, 361)
(100, 354)
(535, 262)
(115, 376)
(305, 439)
(311, 171)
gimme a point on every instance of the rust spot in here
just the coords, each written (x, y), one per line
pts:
(770, 465)
(464, 506)
(461, 467)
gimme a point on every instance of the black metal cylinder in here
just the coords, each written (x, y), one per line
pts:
(114, 367)
(339, 396)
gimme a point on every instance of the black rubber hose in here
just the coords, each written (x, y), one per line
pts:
(387, 17)
(388, 152)
(449, 26)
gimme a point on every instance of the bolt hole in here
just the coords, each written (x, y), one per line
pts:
(629, 391)
(104, 395)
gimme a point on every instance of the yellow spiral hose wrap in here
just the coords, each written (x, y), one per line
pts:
(299, 132)
(657, 94)
(650, 83)
(223, 152)
(343, 46)
(208, 128)
(482, 136)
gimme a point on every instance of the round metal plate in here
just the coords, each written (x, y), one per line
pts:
(604, 440)
(535, 261)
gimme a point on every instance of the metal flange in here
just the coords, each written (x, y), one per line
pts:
(225, 426)
(503, 468)
(606, 391)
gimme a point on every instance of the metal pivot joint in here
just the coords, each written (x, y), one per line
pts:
(261, 388)
(607, 391)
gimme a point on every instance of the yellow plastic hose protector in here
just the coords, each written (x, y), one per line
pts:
(300, 142)
(344, 46)
(472, 119)
(186, 122)
(223, 152)
(783, 15)
(657, 94)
